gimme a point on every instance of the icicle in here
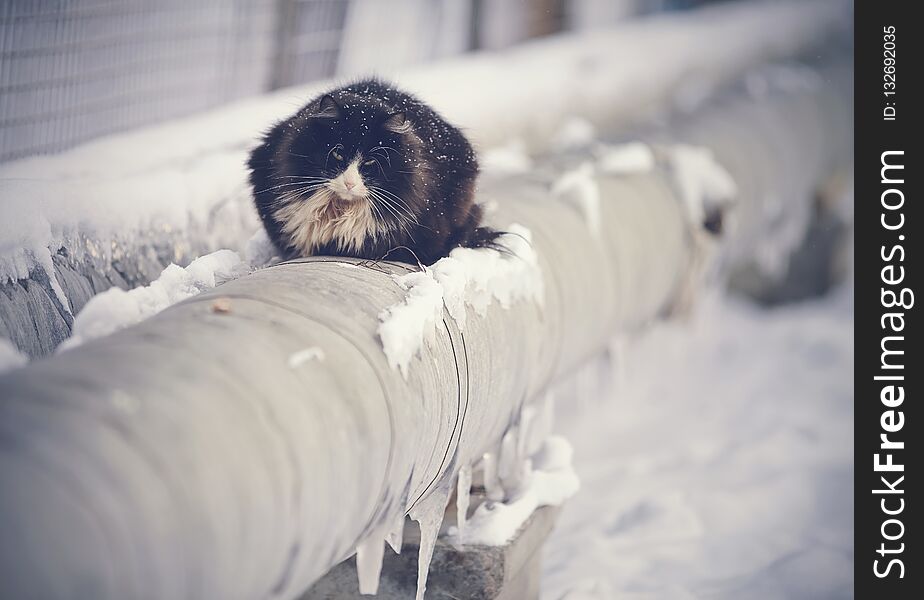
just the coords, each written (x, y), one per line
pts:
(463, 490)
(542, 426)
(369, 562)
(43, 258)
(395, 537)
(508, 464)
(429, 516)
(527, 414)
(492, 485)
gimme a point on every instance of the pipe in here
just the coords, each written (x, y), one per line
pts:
(185, 458)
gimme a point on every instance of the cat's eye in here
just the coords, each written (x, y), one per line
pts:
(336, 155)
(368, 163)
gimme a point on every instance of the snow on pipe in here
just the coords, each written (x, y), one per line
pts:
(239, 444)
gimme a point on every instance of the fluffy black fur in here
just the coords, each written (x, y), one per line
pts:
(421, 169)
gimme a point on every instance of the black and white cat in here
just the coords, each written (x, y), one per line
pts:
(368, 171)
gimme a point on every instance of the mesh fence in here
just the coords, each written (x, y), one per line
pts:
(74, 70)
(309, 40)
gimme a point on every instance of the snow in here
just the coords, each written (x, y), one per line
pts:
(479, 277)
(718, 464)
(260, 251)
(468, 277)
(624, 159)
(407, 325)
(297, 359)
(579, 188)
(91, 212)
(575, 133)
(10, 357)
(549, 481)
(116, 308)
(701, 181)
(509, 159)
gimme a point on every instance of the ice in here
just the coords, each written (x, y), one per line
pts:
(43, 258)
(703, 183)
(429, 516)
(510, 463)
(463, 495)
(10, 357)
(395, 536)
(550, 482)
(474, 277)
(116, 308)
(575, 133)
(296, 359)
(492, 486)
(509, 159)
(369, 556)
(624, 159)
(579, 187)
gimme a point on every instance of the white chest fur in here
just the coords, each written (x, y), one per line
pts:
(324, 219)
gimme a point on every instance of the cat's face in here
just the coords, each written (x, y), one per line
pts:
(355, 152)
(348, 173)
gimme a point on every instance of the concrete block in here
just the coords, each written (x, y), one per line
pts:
(510, 572)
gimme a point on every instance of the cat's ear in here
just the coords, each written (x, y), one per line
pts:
(397, 122)
(328, 108)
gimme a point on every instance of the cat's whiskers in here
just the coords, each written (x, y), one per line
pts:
(300, 193)
(305, 177)
(306, 186)
(386, 148)
(403, 213)
(402, 220)
(378, 212)
(376, 199)
(281, 185)
(375, 152)
(396, 199)
(401, 223)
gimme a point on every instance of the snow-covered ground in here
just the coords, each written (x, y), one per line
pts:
(718, 463)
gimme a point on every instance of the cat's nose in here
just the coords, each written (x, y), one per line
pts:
(349, 184)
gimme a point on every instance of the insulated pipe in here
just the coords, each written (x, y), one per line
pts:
(186, 457)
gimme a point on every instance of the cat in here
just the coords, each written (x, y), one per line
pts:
(368, 171)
